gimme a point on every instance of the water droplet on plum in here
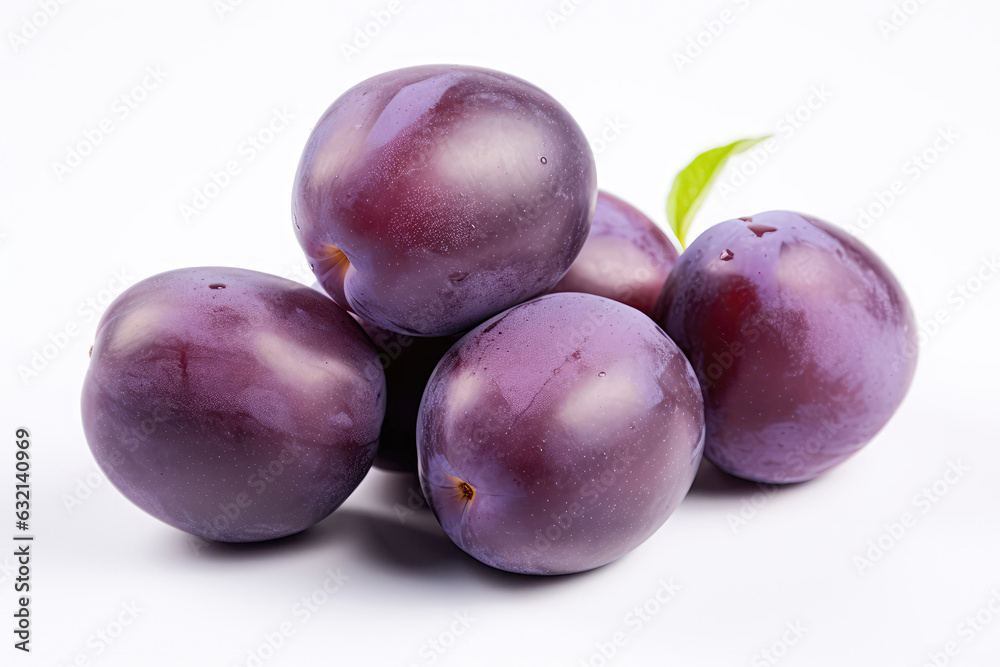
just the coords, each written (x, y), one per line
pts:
(761, 229)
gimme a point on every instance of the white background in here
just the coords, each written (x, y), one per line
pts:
(64, 237)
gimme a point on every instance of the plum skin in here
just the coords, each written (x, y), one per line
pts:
(803, 341)
(234, 405)
(430, 198)
(626, 257)
(559, 435)
(408, 362)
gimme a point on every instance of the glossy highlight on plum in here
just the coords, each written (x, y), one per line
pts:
(430, 198)
(559, 435)
(626, 257)
(802, 339)
(231, 404)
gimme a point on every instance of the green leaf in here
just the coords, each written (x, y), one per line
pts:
(693, 183)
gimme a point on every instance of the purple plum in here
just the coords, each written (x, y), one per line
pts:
(802, 339)
(234, 405)
(430, 198)
(408, 362)
(559, 435)
(626, 257)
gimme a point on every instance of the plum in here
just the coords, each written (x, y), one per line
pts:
(430, 198)
(626, 257)
(408, 362)
(802, 339)
(559, 435)
(234, 405)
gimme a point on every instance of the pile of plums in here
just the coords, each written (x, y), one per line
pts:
(535, 349)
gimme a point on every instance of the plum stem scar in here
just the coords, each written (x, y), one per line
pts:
(466, 492)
